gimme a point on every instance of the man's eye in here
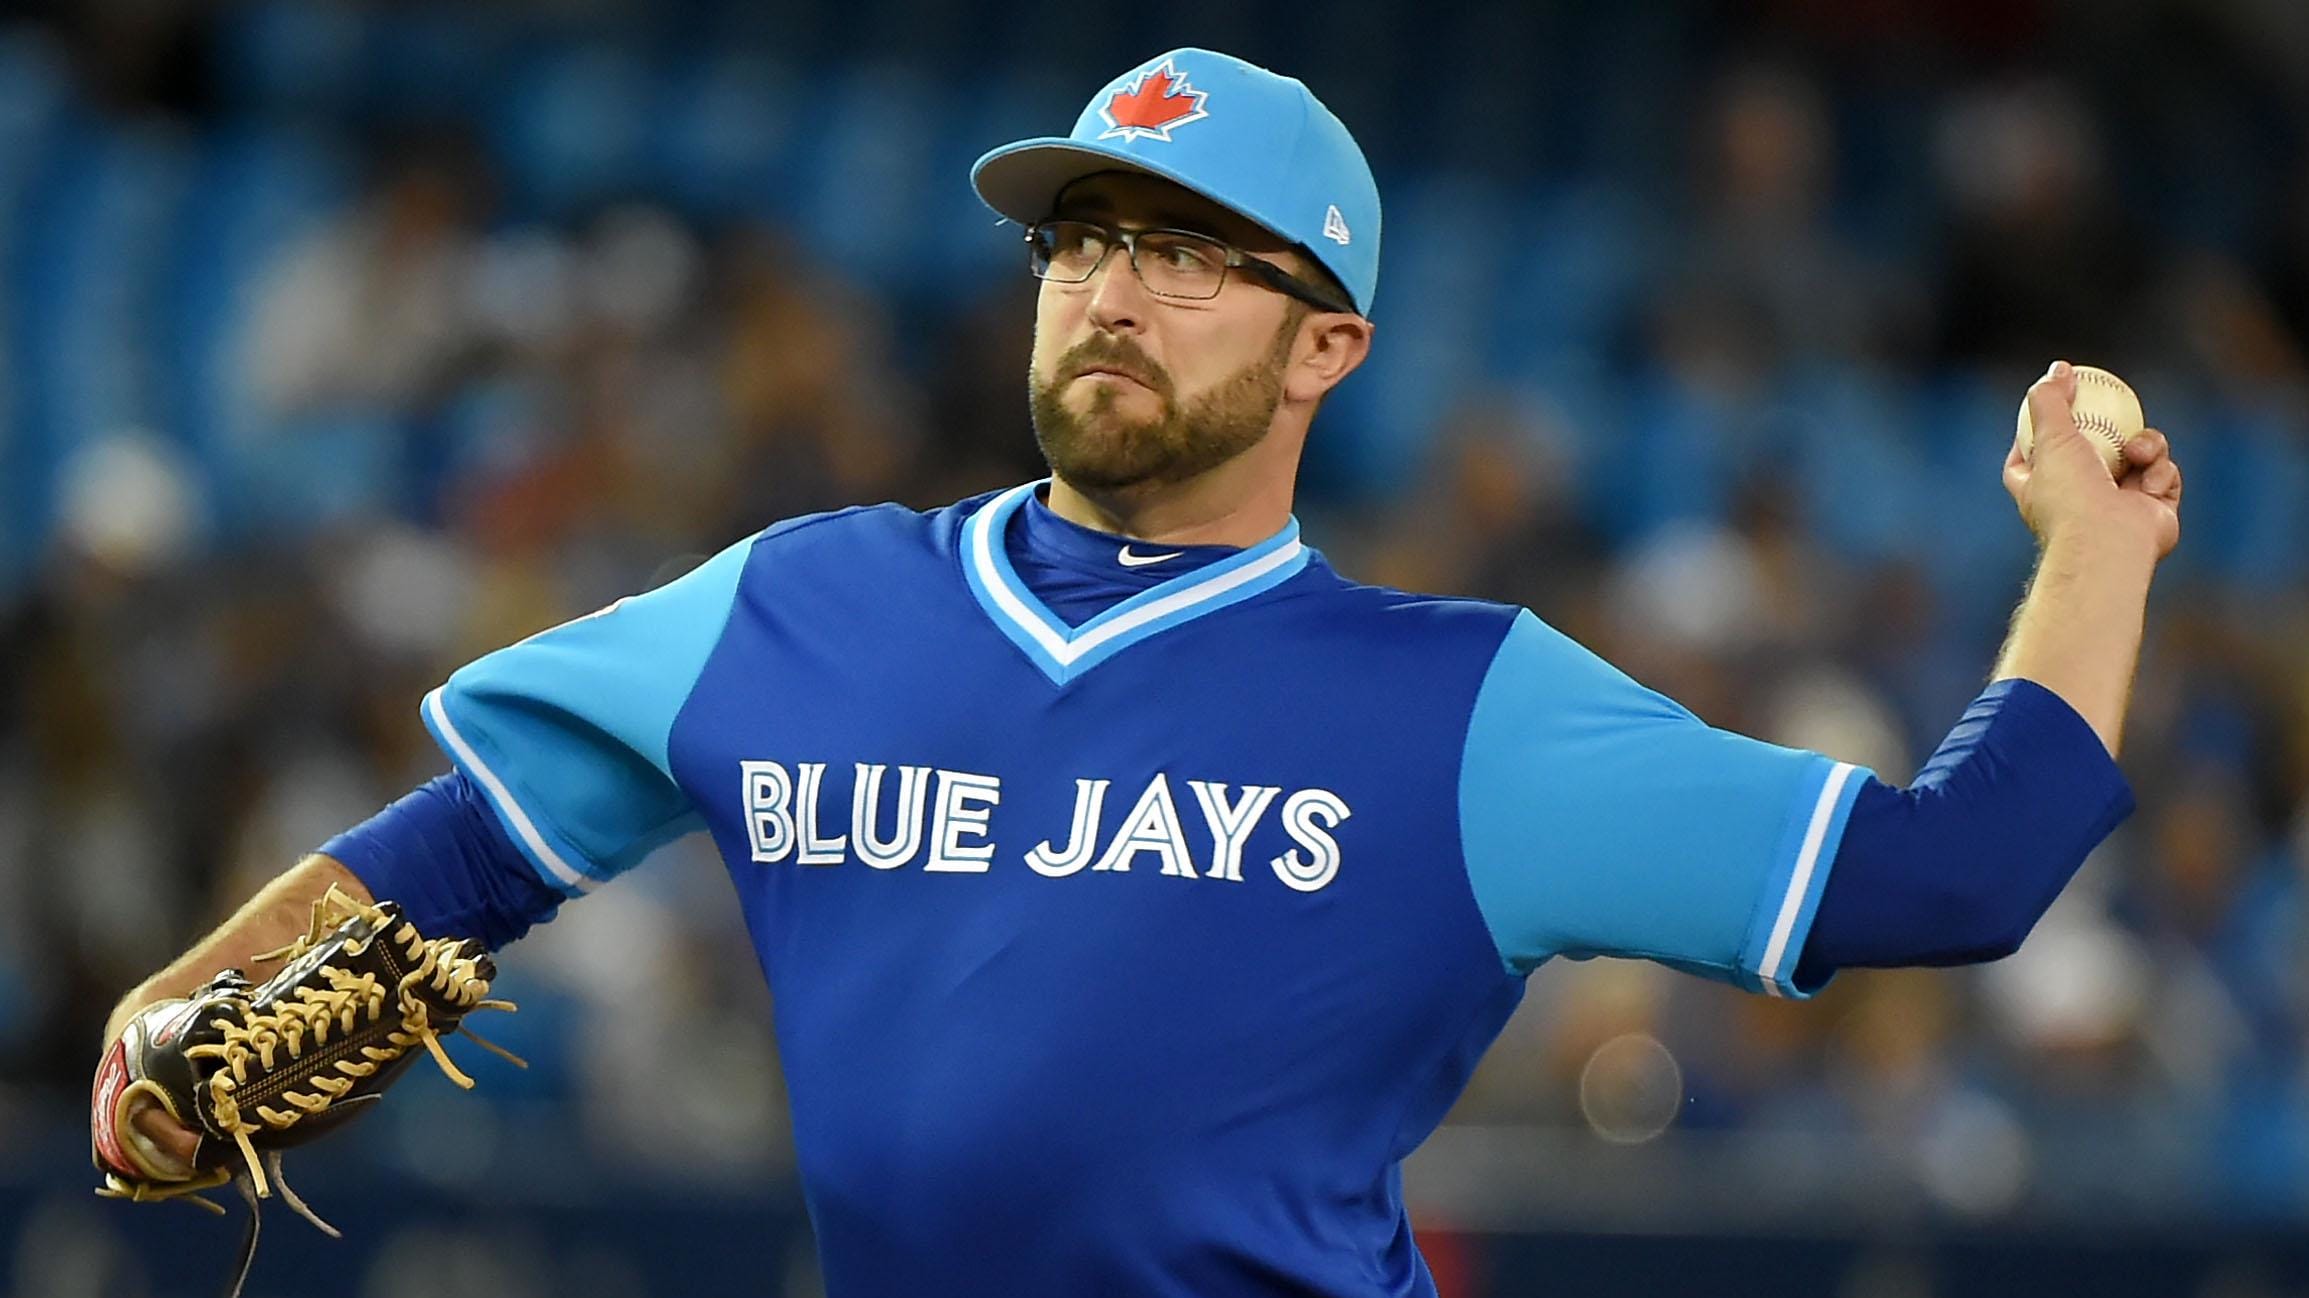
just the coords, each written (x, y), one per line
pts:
(1072, 243)
(1188, 256)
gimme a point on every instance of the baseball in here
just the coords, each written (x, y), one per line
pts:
(2107, 412)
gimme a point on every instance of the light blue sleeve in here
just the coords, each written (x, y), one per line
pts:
(1598, 817)
(566, 732)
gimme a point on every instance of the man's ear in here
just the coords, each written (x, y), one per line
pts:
(1331, 344)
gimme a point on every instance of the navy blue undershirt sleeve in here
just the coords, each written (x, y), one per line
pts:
(1958, 867)
(442, 854)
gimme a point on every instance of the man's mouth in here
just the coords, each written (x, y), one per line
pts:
(1113, 372)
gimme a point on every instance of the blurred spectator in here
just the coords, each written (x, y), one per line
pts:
(1762, 240)
(2042, 258)
(372, 309)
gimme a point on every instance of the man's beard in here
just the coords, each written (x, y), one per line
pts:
(1100, 450)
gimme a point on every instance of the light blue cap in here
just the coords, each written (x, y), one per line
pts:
(1248, 139)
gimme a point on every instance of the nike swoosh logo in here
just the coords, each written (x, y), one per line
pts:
(1129, 560)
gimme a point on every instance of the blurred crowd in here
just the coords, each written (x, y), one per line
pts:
(341, 344)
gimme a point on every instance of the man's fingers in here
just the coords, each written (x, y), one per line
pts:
(2050, 401)
(2149, 461)
(2162, 480)
(171, 1136)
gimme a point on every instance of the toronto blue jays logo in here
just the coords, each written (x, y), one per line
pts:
(1150, 105)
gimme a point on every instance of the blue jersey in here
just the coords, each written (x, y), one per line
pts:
(1131, 954)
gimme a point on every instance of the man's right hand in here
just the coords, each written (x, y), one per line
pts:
(2064, 488)
(2078, 630)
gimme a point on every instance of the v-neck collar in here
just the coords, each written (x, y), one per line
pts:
(1063, 653)
(1038, 537)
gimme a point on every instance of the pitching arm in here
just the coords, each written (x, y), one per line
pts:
(1959, 866)
(1600, 818)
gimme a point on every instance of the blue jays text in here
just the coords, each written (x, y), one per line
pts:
(785, 816)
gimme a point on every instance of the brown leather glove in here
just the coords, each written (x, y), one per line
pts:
(253, 1069)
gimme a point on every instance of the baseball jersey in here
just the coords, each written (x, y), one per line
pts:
(1130, 953)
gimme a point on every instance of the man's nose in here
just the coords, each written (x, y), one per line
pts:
(1118, 298)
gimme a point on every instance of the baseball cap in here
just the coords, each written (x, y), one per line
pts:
(1252, 141)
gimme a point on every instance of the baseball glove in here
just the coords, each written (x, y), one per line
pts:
(257, 1068)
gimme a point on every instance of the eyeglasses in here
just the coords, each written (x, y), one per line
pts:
(1177, 264)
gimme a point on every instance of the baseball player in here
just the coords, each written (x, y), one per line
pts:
(1137, 890)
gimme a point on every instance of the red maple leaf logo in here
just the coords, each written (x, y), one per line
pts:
(1149, 106)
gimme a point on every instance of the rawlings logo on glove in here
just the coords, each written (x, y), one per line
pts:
(255, 1069)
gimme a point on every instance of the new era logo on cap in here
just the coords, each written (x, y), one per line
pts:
(1335, 226)
(1150, 104)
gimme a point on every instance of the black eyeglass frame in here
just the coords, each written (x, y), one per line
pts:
(1266, 272)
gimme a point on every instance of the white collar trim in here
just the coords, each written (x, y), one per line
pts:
(1062, 652)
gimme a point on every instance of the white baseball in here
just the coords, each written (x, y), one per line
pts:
(2107, 413)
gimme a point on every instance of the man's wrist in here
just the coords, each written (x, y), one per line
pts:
(2098, 541)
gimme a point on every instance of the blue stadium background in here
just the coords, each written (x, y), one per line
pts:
(340, 343)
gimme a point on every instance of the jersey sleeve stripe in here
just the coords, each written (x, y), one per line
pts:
(555, 867)
(1828, 810)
